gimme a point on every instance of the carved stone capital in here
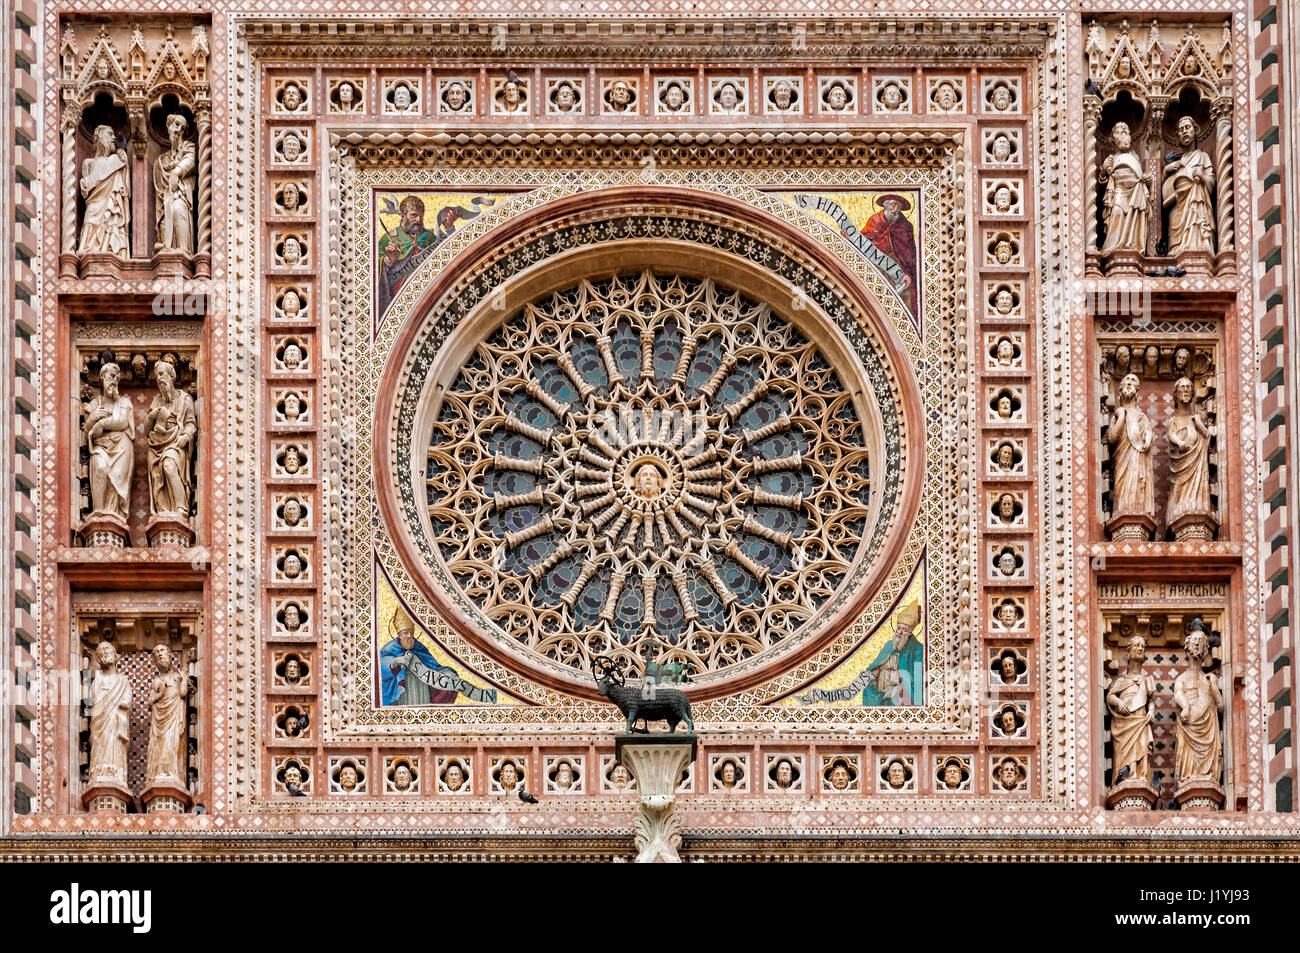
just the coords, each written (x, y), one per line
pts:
(657, 762)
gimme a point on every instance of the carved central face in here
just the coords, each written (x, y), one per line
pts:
(402, 98)
(1007, 616)
(456, 96)
(728, 97)
(564, 777)
(946, 97)
(293, 776)
(291, 148)
(565, 97)
(1183, 391)
(836, 97)
(783, 96)
(1008, 669)
(728, 775)
(401, 777)
(1006, 456)
(292, 98)
(675, 97)
(106, 653)
(346, 93)
(1009, 722)
(952, 775)
(292, 617)
(840, 777)
(1001, 98)
(1187, 132)
(455, 777)
(1122, 138)
(620, 94)
(292, 672)
(784, 774)
(891, 96)
(648, 481)
(512, 95)
(348, 778)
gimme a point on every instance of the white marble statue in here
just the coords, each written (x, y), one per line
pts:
(110, 719)
(106, 187)
(1186, 192)
(1127, 193)
(171, 428)
(173, 182)
(167, 741)
(110, 432)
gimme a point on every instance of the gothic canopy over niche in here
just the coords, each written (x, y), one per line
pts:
(646, 452)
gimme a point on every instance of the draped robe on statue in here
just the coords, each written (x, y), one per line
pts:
(1134, 492)
(1191, 223)
(1189, 469)
(110, 727)
(106, 188)
(112, 457)
(176, 206)
(1130, 729)
(167, 742)
(1126, 204)
(1198, 750)
(175, 418)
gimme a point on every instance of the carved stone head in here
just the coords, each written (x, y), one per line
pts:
(783, 95)
(896, 774)
(402, 776)
(1009, 668)
(509, 776)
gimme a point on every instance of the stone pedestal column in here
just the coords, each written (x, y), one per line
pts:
(657, 763)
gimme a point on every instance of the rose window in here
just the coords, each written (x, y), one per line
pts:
(648, 461)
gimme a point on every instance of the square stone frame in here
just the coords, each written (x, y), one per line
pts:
(553, 712)
(339, 141)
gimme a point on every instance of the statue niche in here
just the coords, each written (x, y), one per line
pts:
(1160, 433)
(135, 119)
(138, 443)
(1163, 709)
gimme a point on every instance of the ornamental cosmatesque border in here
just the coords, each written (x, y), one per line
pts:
(931, 353)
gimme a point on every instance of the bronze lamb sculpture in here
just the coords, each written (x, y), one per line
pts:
(651, 700)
